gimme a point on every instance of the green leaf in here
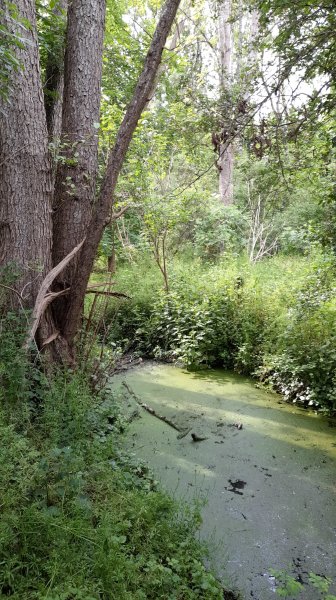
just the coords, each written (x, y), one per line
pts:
(320, 583)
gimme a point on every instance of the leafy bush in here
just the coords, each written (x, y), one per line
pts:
(220, 229)
(17, 381)
(275, 319)
(305, 368)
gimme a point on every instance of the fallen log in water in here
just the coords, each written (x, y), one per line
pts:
(183, 431)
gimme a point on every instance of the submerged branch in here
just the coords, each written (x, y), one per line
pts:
(182, 430)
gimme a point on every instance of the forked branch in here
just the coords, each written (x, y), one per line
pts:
(44, 297)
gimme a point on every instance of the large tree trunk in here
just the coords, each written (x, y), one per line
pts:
(25, 174)
(25, 181)
(76, 174)
(226, 153)
(101, 216)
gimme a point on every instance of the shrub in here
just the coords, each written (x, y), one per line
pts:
(275, 319)
(305, 368)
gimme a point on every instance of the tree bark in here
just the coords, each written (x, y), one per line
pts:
(111, 258)
(225, 165)
(25, 173)
(225, 41)
(254, 32)
(101, 215)
(226, 154)
(77, 172)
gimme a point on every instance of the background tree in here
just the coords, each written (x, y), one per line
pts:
(51, 25)
(225, 151)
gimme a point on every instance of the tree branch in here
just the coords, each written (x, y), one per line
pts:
(44, 298)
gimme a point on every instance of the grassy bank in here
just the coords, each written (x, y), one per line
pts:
(275, 320)
(80, 520)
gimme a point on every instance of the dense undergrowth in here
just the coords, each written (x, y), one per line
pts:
(79, 519)
(275, 320)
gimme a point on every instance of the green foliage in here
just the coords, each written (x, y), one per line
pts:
(305, 365)
(275, 320)
(51, 25)
(12, 39)
(287, 586)
(304, 34)
(80, 520)
(17, 382)
(219, 230)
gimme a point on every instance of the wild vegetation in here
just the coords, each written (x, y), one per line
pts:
(167, 183)
(80, 519)
(274, 321)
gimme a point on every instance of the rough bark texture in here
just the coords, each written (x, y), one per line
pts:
(76, 174)
(226, 164)
(101, 216)
(25, 182)
(226, 154)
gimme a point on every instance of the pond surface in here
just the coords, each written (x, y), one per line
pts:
(267, 471)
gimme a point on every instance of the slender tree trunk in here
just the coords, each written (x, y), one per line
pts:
(54, 78)
(25, 174)
(226, 165)
(225, 41)
(111, 262)
(111, 259)
(76, 175)
(226, 155)
(101, 216)
(239, 45)
(254, 32)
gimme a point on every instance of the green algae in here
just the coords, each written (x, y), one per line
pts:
(268, 487)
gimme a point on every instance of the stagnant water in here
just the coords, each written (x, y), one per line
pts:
(266, 470)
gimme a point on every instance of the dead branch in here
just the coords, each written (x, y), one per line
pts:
(104, 293)
(44, 298)
(117, 215)
(7, 287)
(51, 338)
(108, 283)
(152, 411)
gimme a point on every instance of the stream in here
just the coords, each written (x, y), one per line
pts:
(266, 472)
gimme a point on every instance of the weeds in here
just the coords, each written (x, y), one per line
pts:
(275, 320)
(81, 520)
